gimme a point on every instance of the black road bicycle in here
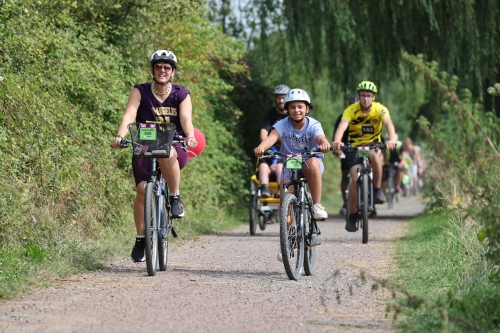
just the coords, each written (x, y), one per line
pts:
(365, 200)
(298, 229)
(153, 141)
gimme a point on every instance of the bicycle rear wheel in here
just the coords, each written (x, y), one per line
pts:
(347, 207)
(151, 229)
(254, 215)
(163, 242)
(390, 190)
(364, 206)
(311, 251)
(291, 237)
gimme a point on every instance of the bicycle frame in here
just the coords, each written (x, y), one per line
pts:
(161, 192)
(299, 191)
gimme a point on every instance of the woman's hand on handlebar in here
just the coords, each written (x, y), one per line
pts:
(116, 141)
(191, 142)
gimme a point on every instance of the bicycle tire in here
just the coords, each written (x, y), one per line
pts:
(262, 223)
(163, 243)
(291, 237)
(390, 191)
(347, 207)
(151, 229)
(364, 206)
(311, 252)
(253, 214)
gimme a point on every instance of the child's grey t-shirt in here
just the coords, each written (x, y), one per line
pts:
(294, 141)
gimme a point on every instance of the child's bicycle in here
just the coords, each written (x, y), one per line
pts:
(298, 229)
(365, 200)
(262, 209)
(153, 141)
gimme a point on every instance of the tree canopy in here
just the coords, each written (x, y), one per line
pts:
(343, 38)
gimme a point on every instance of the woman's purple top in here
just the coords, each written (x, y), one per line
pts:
(166, 110)
(153, 109)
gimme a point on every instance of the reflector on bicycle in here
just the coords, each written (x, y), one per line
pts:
(363, 151)
(294, 162)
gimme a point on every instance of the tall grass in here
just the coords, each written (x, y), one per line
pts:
(451, 260)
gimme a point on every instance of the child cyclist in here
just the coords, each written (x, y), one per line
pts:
(296, 132)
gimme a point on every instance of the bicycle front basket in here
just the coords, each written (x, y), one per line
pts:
(152, 139)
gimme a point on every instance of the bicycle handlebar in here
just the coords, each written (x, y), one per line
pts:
(270, 153)
(376, 145)
(177, 139)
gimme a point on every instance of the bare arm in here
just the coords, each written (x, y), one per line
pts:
(185, 116)
(128, 117)
(267, 143)
(391, 143)
(339, 133)
(263, 134)
(323, 143)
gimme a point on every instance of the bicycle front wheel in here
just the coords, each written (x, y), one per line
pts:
(364, 206)
(163, 242)
(291, 237)
(311, 233)
(151, 229)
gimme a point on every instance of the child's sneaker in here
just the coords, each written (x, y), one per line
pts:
(319, 212)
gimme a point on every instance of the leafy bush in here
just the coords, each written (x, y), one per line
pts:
(68, 69)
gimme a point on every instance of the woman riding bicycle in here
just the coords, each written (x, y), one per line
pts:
(158, 101)
(364, 120)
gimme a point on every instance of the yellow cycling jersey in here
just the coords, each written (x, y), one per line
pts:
(365, 129)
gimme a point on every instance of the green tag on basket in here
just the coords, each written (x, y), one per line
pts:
(147, 132)
(363, 151)
(294, 162)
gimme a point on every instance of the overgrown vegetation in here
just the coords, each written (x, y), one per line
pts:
(461, 291)
(67, 69)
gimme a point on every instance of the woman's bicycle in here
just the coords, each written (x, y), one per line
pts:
(364, 187)
(298, 229)
(154, 141)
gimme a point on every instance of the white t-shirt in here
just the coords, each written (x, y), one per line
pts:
(294, 141)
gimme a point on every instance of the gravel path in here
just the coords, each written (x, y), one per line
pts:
(227, 282)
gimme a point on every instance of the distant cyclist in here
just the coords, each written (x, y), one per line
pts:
(364, 120)
(344, 168)
(269, 167)
(392, 161)
(162, 101)
(416, 167)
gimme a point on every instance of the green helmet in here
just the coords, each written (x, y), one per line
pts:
(368, 86)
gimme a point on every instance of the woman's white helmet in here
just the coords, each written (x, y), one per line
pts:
(298, 95)
(164, 56)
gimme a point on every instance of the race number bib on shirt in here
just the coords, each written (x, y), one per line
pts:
(147, 132)
(368, 129)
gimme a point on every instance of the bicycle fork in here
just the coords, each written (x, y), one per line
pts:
(370, 187)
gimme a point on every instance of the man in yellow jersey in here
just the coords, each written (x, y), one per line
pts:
(364, 120)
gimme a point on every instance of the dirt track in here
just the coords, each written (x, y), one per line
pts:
(227, 282)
